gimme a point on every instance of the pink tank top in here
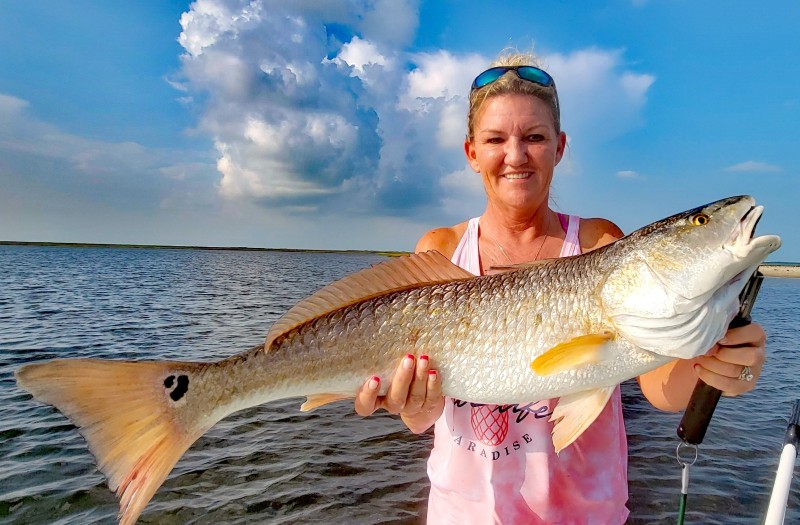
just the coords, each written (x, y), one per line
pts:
(496, 464)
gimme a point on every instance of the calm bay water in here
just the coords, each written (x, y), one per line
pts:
(273, 464)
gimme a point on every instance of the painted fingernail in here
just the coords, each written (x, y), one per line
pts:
(408, 362)
(432, 374)
(374, 383)
(423, 357)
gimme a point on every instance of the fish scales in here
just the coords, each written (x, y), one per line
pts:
(503, 321)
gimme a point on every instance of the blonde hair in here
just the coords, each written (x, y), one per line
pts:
(510, 83)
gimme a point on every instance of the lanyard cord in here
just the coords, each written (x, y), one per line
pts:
(684, 493)
(684, 477)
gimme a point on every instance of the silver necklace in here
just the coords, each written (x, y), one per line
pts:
(505, 254)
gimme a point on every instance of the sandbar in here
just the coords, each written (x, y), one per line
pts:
(780, 270)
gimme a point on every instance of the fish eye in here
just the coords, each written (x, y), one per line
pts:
(700, 219)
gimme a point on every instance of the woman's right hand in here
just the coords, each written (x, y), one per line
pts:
(415, 393)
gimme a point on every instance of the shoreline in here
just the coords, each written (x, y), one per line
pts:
(385, 253)
(780, 270)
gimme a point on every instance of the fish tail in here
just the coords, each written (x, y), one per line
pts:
(131, 415)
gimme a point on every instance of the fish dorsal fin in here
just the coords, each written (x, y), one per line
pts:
(402, 273)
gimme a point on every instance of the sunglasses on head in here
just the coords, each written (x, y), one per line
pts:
(529, 73)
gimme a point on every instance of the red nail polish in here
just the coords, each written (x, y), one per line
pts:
(432, 373)
(424, 357)
(410, 356)
(376, 378)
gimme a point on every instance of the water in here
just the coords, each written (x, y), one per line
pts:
(273, 464)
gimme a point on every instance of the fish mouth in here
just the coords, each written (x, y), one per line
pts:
(743, 235)
(749, 221)
(744, 245)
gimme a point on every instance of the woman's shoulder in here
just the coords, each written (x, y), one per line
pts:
(596, 232)
(444, 240)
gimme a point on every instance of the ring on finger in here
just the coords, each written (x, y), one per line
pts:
(746, 374)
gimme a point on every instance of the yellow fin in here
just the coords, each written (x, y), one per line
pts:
(575, 353)
(317, 400)
(124, 412)
(574, 413)
(397, 274)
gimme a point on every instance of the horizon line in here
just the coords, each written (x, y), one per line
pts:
(388, 253)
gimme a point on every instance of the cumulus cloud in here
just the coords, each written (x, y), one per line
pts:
(302, 103)
(439, 74)
(360, 53)
(600, 99)
(753, 167)
(628, 174)
(320, 106)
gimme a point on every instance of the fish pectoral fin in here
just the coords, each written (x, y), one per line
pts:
(575, 353)
(574, 413)
(317, 400)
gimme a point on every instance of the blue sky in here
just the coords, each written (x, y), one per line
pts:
(339, 124)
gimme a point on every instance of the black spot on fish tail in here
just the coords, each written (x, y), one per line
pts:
(168, 382)
(181, 389)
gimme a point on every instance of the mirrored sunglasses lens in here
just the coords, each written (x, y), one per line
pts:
(535, 75)
(488, 76)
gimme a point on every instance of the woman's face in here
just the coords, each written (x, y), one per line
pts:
(515, 149)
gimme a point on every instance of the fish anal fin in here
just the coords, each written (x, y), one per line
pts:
(574, 413)
(570, 355)
(401, 273)
(123, 410)
(317, 400)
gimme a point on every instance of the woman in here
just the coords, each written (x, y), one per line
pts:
(496, 464)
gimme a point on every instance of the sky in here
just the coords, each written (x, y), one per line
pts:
(340, 124)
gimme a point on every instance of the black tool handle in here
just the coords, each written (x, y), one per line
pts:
(793, 430)
(693, 425)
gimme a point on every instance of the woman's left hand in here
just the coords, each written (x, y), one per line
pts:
(734, 364)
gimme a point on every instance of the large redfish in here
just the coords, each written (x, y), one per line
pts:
(571, 328)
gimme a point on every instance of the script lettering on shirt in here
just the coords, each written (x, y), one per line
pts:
(485, 431)
(520, 411)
